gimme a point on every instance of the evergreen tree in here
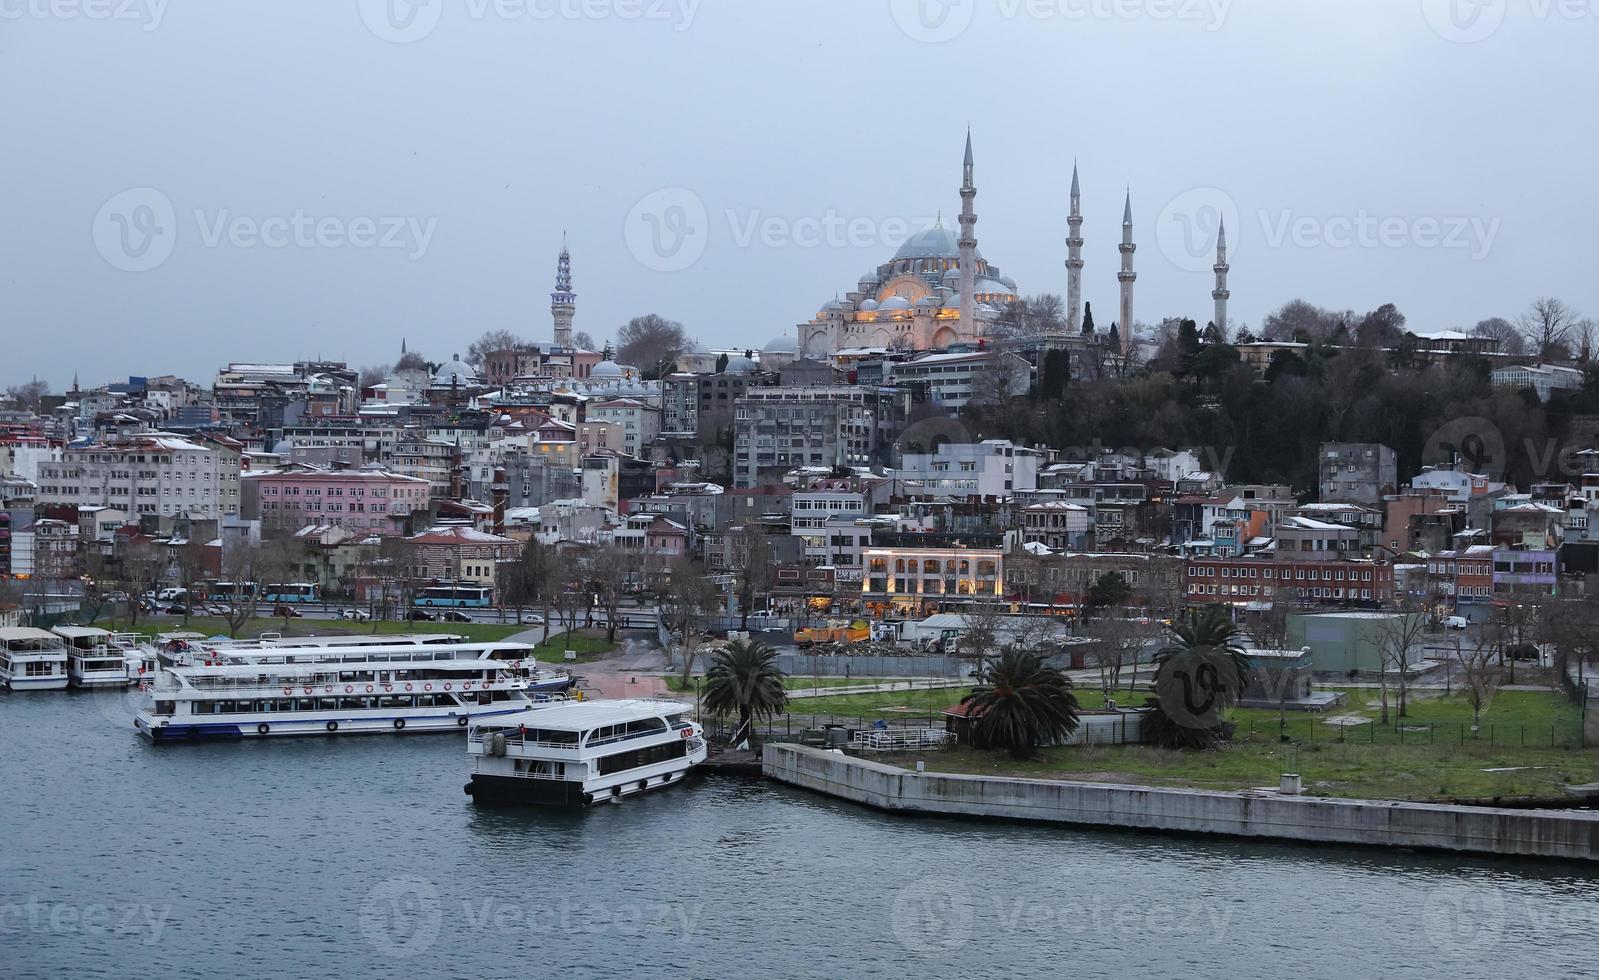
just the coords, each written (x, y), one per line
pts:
(1088, 319)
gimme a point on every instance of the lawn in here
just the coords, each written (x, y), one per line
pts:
(675, 682)
(1387, 772)
(588, 644)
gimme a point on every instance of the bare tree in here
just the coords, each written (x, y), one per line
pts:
(607, 570)
(1399, 642)
(374, 374)
(752, 553)
(651, 343)
(189, 560)
(1548, 327)
(583, 340)
(1117, 643)
(141, 563)
(693, 599)
(984, 622)
(491, 342)
(28, 395)
(1481, 673)
(239, 566)
(1506, 333)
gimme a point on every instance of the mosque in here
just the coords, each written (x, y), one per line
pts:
(938, 290)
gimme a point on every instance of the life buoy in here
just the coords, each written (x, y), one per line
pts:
(399, 723)
(388, 688)
(349, 689)
(369, 689)
(288, 690)
(446, 685)
(516, 665)
(466, 685)
(309, 690)
(333, 726)
(408, 687)
(427, 687)
(683, 734)
(262, 728)
(327, 689)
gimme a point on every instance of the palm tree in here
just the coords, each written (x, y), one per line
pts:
(1208, 630)
(1021, 703)
(744, 679)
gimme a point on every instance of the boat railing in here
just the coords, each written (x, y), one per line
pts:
(530, 775)
(478, 737)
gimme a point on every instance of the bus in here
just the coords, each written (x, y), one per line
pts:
(456, 596)
(232, 591)
(291, 593)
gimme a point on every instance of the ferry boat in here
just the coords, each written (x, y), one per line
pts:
(578, 754)
(259, 689)
(32, 660)
(97, 657)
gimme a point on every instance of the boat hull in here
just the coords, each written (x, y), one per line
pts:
(252, 727)
(522, 791)
(35, 683)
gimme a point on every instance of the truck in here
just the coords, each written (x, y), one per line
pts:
(857, 632)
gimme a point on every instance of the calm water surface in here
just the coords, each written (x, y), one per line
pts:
(361, 857)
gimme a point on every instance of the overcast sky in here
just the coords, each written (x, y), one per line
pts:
(191, 183)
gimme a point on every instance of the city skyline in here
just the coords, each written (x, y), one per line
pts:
(1347, 196)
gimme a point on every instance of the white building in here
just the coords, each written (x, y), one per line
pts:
(992, 468)
(1541, 378)
(145, 475)
(820, 516)
(640, 423)
(953, 380)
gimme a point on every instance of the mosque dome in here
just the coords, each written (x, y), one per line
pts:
(785, 343)
(936, 242)
(928, 302)
(895, 303)
(869, 306)
(454, 372)
(738, 364)
(606, 369)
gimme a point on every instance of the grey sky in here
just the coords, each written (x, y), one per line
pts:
(1371, 151)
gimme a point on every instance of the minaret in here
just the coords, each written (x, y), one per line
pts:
(1127, 276)
(1074, 258)
(563, 302)
(968, 247)
(1221, 293)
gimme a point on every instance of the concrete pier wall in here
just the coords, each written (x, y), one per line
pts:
(1570, 834)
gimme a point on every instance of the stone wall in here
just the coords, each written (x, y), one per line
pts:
(1541, 833)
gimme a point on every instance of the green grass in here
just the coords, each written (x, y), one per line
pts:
(793, 683)
(1385, 772)
(1536, 718)
(588, 647)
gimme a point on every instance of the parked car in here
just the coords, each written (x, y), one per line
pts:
(532, 619)
(357, 615)
(178, 609)
(171, 595)
(286, 612)
(116, 597)
(1456, 623)
(454, 616)
(418, 616)
(219, 609)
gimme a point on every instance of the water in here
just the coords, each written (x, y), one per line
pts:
(361, 857)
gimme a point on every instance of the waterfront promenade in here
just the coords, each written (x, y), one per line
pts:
(1564, 834)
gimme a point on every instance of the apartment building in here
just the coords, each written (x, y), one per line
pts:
(369, 499)
(150, 475)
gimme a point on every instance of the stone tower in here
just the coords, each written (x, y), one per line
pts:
(1127, 276)
(1221, 293)
(968, 246)
(563, 302)
(1074, 259)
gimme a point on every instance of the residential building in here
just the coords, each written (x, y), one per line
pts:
(1247, 581)
(451, 553)
(1543, 379)
(157, 474)
(955, 379)
(1056, 524)
(370, 499)
(994, 468)
(915, 581)
(639, 423)
(778, 429)
(1357, 472)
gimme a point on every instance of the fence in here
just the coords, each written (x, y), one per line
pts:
(804, 665)
(1315, 730)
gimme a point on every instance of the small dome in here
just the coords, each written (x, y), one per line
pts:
(937, 242)
(927, 302)
(783, 344)
(739, 364)
(895, 303)
(870, 306)
(606, 369)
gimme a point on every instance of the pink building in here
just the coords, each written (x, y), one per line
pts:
(367, 499)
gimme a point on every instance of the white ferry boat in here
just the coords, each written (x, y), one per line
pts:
(97, 657)
(32, 660)
(258, 689)
(577, 754)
